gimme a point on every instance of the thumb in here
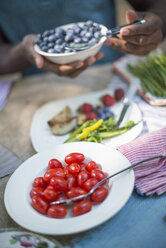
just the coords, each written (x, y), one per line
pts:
(131, 16)
(39, 61)
(36, 58)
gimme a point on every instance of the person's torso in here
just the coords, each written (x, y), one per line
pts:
(19, 18)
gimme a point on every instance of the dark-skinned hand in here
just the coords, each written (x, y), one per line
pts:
(69, 70)
(139, 39)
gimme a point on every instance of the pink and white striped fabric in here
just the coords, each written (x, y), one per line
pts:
(4, 91)
(8, 162)
(150, 177)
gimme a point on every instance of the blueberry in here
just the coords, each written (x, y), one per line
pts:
(57, 48)
(51, 50)
(97, 27)
(52, 31)
(70, 31)
(89, 23)
(97, 35)
(103, 116)
(52, 38)
(46, 33)
(84, 39)
(109, 114)
(106, 109)
(92, 42)
(82, 33)
(77, 40)
(38, 41)
(50, 45)
(91, 30)
(43, 43)
(98, 112)
(69, 37)
(77, 29)
(59, 41)
(44, 48)
(45, 39)
(59, 30)
(88, 35)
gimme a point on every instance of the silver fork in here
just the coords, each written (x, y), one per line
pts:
(80, 197)
(128, 99)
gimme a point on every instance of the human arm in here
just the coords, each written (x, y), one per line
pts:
(14, 58)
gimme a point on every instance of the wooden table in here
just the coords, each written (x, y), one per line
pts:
(26, 96)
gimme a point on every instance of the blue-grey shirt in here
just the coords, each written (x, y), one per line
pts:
(21, 17)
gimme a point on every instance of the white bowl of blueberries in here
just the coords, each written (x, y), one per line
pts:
(58, 45)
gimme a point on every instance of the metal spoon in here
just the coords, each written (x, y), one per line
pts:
(69, 201)
(110, 32)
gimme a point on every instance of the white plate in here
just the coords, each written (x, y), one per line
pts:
(42, 137)
(18, 202)
(11, 238)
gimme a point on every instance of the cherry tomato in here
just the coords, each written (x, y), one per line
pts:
(51, 194)
(74, 168)
(39, 182)
(91, 165)
(57, 211)
(82, 177)
(83, 166)
(99, 194)
(57, 172)
(55, 163)
(40, 204)
(75, 191)
(71, 181)
(36, 191)
(90, 183)
(59, 183)
(98, 174)
(74, 157)
(81, 207)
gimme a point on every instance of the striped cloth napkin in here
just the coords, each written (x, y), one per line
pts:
(8, 162)
(150, 177)
(5, 87)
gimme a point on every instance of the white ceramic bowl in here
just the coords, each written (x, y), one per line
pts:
(66, 58)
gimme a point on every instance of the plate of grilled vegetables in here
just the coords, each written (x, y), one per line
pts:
(89, 117)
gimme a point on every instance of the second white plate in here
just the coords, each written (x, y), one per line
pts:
(18, 202)
(43, 139)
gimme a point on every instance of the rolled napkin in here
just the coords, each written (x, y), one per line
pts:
(150, 177)
(8, 162)
(5, 87)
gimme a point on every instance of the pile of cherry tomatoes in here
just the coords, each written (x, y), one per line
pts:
(68, 180)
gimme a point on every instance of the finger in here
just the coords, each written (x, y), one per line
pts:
(139, 50)
(36, 58)
(152, 24)
(39, 60)
(131, 16)
(51, 67)
(87, 63)
(127, 47)
(30, 53)
(71, 67)
(142, 40)
(61, 70)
